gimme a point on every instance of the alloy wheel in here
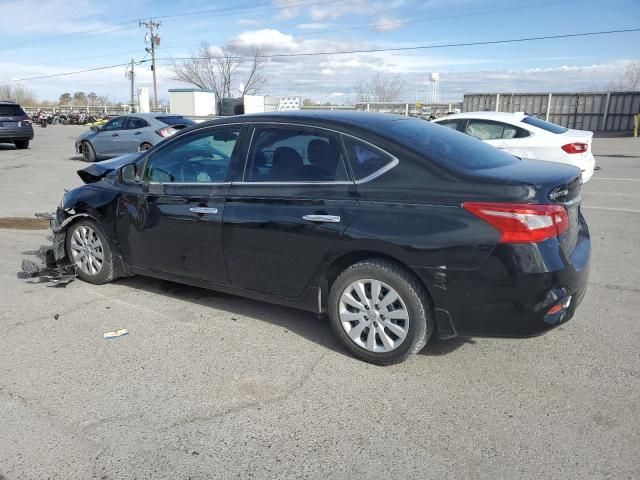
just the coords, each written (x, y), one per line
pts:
(86, 250)
(373, 315)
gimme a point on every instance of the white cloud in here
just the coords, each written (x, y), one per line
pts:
(327, 71)
(247, 22)
(387, 24)
(40, 17)
(313, 26)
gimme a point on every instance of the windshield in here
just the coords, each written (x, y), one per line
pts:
(548, 126)
(175, 120)
(444, 145)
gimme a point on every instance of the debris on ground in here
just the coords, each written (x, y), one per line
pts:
(58, 275)
(116, 333)
(56, 316)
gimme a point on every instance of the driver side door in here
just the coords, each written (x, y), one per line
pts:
(173, 228)
(105, 142)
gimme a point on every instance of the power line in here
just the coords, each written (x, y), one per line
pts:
(424, 47)
(73, 73)
(372, 50)
(226, 11)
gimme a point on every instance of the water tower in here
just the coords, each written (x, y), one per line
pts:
(433, 88)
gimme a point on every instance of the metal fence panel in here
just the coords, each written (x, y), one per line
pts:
(595, 111)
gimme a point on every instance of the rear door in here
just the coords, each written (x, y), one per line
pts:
(173, 227)
(292, 201)
(130, 138)
(498, 134)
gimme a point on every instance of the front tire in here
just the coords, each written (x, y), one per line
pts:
(88, 153)
(380, 312)
(21, 144)
(89, 249)
(145, 146)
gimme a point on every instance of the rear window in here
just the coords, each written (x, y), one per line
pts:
(548, 126)
(444, 145)
(175, 120)
(11, 111)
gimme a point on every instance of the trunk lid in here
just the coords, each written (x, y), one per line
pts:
(541, 183)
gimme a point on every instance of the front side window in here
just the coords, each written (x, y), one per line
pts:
(202, 157)
(115, 124)
(295, 154)
(365, 159)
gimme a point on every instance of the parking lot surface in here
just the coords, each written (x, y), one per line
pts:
(208, 385)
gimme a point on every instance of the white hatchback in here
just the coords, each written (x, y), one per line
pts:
(528, 137)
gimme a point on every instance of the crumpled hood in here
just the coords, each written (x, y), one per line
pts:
(97, 171)
(86, 135)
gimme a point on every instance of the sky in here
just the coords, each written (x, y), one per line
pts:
(59, 36)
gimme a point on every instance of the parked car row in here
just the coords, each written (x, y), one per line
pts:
(394, 227)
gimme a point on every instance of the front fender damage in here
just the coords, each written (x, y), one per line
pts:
(80, 203)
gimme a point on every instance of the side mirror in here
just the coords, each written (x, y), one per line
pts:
(128, 173)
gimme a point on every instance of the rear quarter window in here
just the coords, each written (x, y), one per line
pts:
(175, 120)
(444, 146)
(548, 126)
(11, 111)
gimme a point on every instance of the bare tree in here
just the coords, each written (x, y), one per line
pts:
(220, 69)
(17, 92)
(380, 88)
(630, 81)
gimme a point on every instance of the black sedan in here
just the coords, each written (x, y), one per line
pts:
(395, 227)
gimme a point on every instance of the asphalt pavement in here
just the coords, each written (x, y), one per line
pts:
(208, 385)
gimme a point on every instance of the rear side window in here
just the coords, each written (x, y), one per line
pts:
(444, 146)
(295, 154)
(365, 159)
(135, 123)
(175, 120)
(454, 124)
(11, 111)
(548, 126)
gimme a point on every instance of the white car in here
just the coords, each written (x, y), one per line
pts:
(528, 137)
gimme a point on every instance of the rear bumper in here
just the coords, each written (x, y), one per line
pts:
(17, 133)
(511, 293)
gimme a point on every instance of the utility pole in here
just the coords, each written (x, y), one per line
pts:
(154, 40)
(131, 75)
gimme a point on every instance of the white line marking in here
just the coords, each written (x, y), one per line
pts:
(626, 210)
(617, 179)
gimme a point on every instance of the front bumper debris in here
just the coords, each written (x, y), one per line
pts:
(54, 266)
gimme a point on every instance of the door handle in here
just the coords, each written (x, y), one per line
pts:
(322, 218)
(114, 134)
(138, 133)
(204, 210)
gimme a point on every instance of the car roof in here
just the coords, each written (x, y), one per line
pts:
(504, 116)
(7, 102)
(343, 117)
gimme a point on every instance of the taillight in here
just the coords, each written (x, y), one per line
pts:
(166, 132)
(521, 223)
(575, 147)
(24, 123)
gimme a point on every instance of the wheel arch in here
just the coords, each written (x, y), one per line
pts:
(337, 265)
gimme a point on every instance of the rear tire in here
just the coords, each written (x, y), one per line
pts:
(89, 249)
(88, 153)
(391, 323)
(145, 146)
(21, 144)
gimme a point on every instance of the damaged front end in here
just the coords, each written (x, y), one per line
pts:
(57, 268)
(96, 200)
